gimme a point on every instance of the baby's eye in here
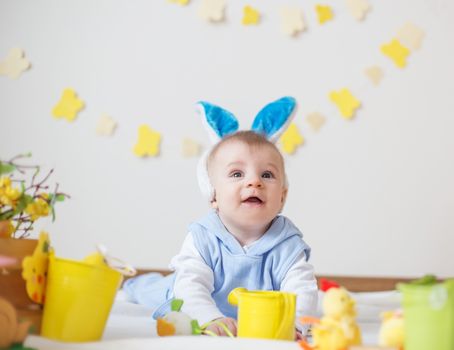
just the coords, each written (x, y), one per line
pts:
(267, 175)
(236, 174)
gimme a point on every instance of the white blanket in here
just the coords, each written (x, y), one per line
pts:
(130, 326)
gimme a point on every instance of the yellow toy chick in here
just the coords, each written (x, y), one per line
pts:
(392, 330)
(34, 269)
(337, 330)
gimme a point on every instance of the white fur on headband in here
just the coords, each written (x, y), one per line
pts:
(271, 122)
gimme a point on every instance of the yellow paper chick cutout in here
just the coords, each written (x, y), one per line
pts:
(14, 64)
(34, 269)
(190, 148)
(396, 52)
(148, 142)
(411, 36)
(324, 13)
(315, 120)
(212, 10)
(250, 16)
(375, 74)
(345, 102)
(68, 106)
(179, 2)
(291, 139)
(358, 8)
(106, 126)
(292, 21)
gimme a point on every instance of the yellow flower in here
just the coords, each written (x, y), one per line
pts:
(8, 195)
(37, 209)
(6, 228)
(5, 181)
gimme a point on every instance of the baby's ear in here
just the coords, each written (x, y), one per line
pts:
(274, 118)
(214, 203)
(284, 196)
(218, 121)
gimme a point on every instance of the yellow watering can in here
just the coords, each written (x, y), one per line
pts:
(264, 314)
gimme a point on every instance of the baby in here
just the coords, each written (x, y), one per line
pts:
(243, 241)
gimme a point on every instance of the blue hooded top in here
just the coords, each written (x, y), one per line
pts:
(263, 266)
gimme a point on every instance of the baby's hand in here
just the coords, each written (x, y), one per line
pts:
(230, 323)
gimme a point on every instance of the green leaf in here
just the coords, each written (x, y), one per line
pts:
(24, 200)
(6, 168)
(60, 197)
(7, 215)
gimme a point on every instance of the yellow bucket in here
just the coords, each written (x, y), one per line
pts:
(264, 314)
(79, 297)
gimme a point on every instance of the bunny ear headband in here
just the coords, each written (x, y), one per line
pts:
(270, 122)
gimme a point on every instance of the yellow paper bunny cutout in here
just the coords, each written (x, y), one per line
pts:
(68, 106)
(291, 139)
(324, 13)
(345, 102)
(250, 16)
(396, 52)
(148, 142)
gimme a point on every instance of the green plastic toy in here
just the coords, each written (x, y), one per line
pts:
(428, 314)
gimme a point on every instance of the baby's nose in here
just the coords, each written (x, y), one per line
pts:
(254, 181)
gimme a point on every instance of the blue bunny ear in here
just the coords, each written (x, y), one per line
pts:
(274, 118)
(218, 121)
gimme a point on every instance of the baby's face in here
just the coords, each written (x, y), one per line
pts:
(249, 185)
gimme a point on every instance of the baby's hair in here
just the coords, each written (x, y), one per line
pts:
(248, 137)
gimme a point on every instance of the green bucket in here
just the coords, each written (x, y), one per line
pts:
(428, 315)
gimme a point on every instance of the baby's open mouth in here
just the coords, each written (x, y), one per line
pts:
(253, 200)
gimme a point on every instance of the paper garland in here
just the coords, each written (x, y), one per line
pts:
(345, 102)
(396, 52)
(69, 105)
(398, 49)
(291, 139)
(148, 142)
(315, 120)
(212, 10)
(374, 73)
(14, 64)
(190, 148)
(291, 17)
(324, 13)
(292, 20)
(106, 126)
(358, 8)
(250, 16)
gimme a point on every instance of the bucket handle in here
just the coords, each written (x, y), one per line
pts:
(115, 263)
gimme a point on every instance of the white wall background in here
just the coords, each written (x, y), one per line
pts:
(373, 196)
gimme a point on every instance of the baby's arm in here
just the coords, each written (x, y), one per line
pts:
(300, 279)
(194, 283)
